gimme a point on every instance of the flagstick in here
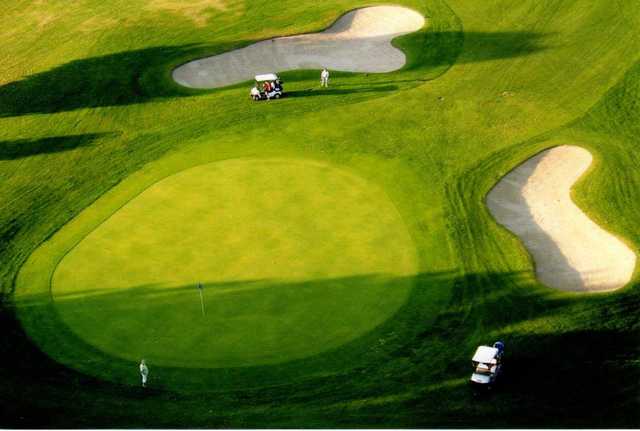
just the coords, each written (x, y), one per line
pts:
(201, 298)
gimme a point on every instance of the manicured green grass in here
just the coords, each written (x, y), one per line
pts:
(88, 112)
(278, 245)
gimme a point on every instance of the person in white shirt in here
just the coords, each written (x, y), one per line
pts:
(324, 78)
(144, 372)
(255, 93)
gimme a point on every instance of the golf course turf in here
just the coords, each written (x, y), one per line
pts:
(349, 262)
(240, 227)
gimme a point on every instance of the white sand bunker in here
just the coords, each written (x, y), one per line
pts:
(359, 41)
(571, 251)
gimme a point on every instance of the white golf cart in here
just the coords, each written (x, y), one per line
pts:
(268, 86)
(487, 364)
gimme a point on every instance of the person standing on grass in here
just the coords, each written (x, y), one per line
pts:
(144, 373)
(324, 78)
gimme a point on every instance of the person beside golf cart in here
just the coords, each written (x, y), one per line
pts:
(500, 346)
(324, 78)
(268, 86)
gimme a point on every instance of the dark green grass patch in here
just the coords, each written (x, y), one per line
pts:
(488, 84)
(277, 244)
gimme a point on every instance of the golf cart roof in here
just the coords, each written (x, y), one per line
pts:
(266, 77)
(485, 354)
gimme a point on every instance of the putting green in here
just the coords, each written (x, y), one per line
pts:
(296, 257)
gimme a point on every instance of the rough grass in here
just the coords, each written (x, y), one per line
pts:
(525, 75)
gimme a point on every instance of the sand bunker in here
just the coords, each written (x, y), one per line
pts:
(359, 41)
(571, 252)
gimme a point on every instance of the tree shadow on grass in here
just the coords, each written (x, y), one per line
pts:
(22, 148)
(273, 299)
(310, 92)
(487, 46)
(459, 47)
(569, 379)
(143, 75)
(122, 78)
(410, 367)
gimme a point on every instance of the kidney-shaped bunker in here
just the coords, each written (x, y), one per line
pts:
(359, 41)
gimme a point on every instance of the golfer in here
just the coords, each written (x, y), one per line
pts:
(255, 93)
(324, 78)
(144, 373)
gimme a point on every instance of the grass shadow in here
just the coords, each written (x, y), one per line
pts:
(144, 75)
(23, 148)
(442, 48)
(488, 46)
(219, 297)
(311, 92)
(122, 78)
(409, 371)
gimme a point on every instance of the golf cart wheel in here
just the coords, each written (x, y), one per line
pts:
(277, 96)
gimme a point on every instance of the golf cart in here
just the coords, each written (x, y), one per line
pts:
(487, 364)
(268, 87)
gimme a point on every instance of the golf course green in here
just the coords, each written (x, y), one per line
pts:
(323, 260)
(277, 285)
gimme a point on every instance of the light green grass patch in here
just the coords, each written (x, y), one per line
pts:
(286, 250)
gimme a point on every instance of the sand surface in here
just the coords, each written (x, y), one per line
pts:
(571, 252)
(359, 41)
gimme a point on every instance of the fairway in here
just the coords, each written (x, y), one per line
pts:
(279, 245)
(332, 258)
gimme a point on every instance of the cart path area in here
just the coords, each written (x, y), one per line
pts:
(570, 251)
(360, 41)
